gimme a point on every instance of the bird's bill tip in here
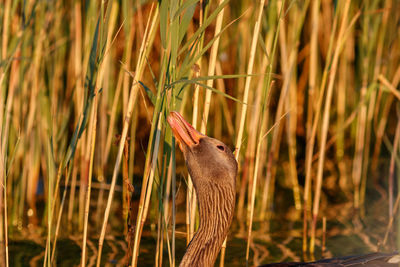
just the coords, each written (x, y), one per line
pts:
(183, 131)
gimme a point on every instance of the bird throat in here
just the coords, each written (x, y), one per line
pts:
(216, 209)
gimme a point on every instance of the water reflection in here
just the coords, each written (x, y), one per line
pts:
(280, 239)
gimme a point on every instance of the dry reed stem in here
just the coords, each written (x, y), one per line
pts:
(4, 131)
(163, 200)
(35, 82)
(72, 191)
(173, 190)
(391, 220)
(78, 99)
(149, 186)
(363, 131)
(132, 99)
(250, 172)
(389, 86)
(91, 134)
(53, 194)
(384, 118)
(4, 136)
(359, 149)
(166, 209)
(211, 69)
(5, 224)
(323, 236)
(6, 20)
(256, 172)
(93, 128)
(248, 79)
(316, 118)
(131, 103)
(159, 246)
(373, 101)
(89, 186)
(269, 159)
(125, 83)
(79, 61)
(311, 139)
(246, 95)
(367, 145)
(152, 168)
(276, 135)
(311, 92)
(113, 112)
(2, 194)
(224, 104)
(392, 166)
(325, 121)
(291, 100)
(251, 146)
(59, 217)
(343, 82)
(6, 13)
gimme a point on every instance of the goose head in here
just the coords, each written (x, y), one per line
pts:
(208, 160)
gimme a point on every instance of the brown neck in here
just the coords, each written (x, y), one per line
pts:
(216, 208)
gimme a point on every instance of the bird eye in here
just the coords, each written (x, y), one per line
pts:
(222, 148)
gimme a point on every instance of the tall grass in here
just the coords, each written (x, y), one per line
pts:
(306, 92)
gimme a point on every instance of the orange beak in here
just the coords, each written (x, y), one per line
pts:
(183, 131)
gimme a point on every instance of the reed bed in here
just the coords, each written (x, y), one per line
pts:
(305, 91)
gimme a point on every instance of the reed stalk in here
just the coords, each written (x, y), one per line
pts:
(316, 118)
(3, 184)
(60, 212)
(359, 149)
(149, 183)
(251, 147)
(249, 72)
(294, 35)
(72, 193)
(6, 25)
(250, 67)
(363, 127)
(89, 187)
(272, 153)
(6, 224)
(211, 68)
(392, 167)
(343, 81)
(167, 195)
(386, 109)
(131, 103)
(312, 81)
(51, 178)
(325, 121)
(4, 131)
(381, 32)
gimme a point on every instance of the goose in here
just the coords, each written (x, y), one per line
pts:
(213, 169)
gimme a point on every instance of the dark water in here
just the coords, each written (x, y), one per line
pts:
(280, 239)
(278, 245)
